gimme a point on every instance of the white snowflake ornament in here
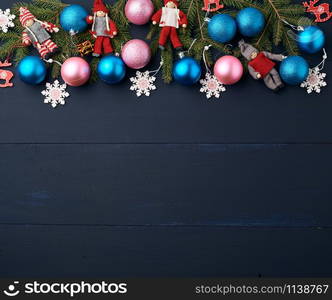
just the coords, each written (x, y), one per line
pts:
(55, 94)
(315, 81)
(211, 86)
(6, 20)
(143, 83)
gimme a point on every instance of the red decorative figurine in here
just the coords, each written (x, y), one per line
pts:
(170, 18)
(6, 75)
(208, 5)
(319, 11)
(103, 29)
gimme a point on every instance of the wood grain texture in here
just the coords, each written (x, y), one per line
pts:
(84, 251)
(223, 185)
(170, 185)
(248, 113)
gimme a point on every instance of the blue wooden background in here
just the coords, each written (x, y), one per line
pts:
(170, 185)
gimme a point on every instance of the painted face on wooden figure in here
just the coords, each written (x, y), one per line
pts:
(101, 13)
(253, 55)
(29, 23)
(170, 4)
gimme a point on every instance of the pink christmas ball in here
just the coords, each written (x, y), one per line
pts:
(136, 54)
(75, 71)
(139, 12)
(228, 69)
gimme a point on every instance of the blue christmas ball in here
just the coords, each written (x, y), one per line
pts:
(250, 21)
(222, 28)
(187, 71)
(311, 40)
(32, 70)
(111, 69)
(73, 19)
(294, 70)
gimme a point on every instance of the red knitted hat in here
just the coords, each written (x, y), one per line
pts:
(174, 1)
(100, 6)
(25, 15)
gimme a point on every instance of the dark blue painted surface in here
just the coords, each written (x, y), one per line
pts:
(171, 185)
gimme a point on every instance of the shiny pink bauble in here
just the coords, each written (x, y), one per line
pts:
(228, 69)
(136, 54)
(75, 71)
(139, 12)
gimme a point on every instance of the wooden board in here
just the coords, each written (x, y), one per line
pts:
(170, 185)
(170, 251)
(229, 185)
(106, 114)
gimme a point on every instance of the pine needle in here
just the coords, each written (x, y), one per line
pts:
(50, 10)
(195, 37)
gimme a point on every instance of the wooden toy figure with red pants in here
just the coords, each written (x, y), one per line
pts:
(170, 18)
(103, 29)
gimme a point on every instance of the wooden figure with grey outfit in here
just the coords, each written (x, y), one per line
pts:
(262, 66)
(37, 33)
(103, 28)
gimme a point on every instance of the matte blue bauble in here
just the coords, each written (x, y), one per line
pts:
(73, 19)
(250, 21)
(222, 28)
(32, 70)
(111, 69)
(294, 70)
(311, 40)
(187, 71)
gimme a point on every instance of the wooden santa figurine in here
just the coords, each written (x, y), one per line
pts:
(37, 33)
(170, 18)
(103, 29)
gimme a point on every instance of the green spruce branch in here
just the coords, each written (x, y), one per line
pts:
(194, 37)
(275, 32)
(276, 12)
(49, 10)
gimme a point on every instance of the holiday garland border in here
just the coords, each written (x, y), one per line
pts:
(194, 38)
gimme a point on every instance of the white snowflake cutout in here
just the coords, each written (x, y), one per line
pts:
(211, 86)
(6, 20)
(315, 81)
(143, 83)
(55, 94)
